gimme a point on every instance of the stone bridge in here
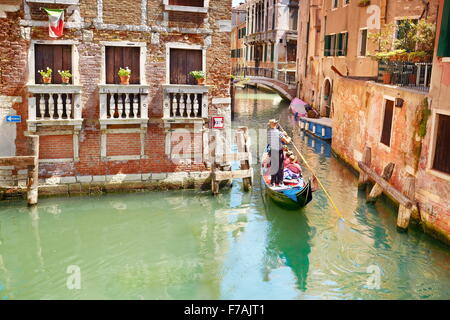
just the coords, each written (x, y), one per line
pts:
(287, 91)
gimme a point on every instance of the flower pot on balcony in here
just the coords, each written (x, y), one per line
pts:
(387, 78)
(124, 79)
(47, 80)
(65, 80)
(200, 81)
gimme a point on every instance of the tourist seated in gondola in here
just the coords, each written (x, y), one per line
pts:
(292, 170)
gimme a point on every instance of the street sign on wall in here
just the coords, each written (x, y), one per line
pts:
(14, 119)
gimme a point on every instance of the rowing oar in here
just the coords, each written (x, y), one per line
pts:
(315, 175)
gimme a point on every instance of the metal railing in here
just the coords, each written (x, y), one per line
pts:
(406, 74)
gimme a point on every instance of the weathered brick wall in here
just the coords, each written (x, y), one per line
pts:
(56, 147)
(14, 66)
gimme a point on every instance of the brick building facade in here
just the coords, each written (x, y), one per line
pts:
(94, 127)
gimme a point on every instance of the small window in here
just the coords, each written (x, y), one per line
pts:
(444, 36)
(362, 43)
(188, 3)
(387, 123)
(441, 161)
(55, 57)
(291, 51)
(334, 3)
(122, 57)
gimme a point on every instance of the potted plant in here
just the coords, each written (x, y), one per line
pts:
(65, 76)
(46, 75)
(124, 75)
(199, 76)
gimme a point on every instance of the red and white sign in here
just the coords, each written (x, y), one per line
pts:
(218, 122)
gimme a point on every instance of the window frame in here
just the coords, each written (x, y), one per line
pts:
(334, 4)
(75, 59)
(360, 42)
(433, 140)
(142, 58)
(184, 46)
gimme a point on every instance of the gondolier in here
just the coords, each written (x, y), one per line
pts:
(275, 141)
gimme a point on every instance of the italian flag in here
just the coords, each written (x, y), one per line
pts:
(55, 22)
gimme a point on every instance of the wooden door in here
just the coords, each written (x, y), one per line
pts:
(55, 57)
(122, 57)
(442, 150)
(182, 62)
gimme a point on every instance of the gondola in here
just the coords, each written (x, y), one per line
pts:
(278, 194)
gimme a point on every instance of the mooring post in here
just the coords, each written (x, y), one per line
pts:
(364, 177)
(377, 190)
(242, 137)
(33, 173)
(404, 213)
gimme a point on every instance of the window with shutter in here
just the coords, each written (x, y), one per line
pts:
(291, 51)
(122, 57)
(55, 57)
(340, 44)
(188, 3)
(182, 62)
(363, 43)
(441, 161)
(327, 51)
(333, 45)
(444, 37)
(387, 123)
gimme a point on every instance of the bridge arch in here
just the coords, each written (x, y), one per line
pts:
(285, 91)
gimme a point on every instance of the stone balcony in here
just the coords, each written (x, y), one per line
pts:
(123, 104)
(172, 5)
(54, 105)
(185, 103)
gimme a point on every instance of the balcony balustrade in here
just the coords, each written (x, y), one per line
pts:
(415, 76)
(123, 104)
(185, 102)
(54, 105)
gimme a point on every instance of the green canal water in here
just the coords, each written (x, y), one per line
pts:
(190, 245)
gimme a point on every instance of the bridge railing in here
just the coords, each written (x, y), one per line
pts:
(287, 77)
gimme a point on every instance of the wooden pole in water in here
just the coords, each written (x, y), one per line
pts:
(364, 177)
(404, 213)
(377, 189)
(33, 173)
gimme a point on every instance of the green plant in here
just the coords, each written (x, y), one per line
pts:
(124, 72)
(65, 74)
(198, 74)
(47, 73)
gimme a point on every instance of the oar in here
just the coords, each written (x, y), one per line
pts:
(315, 175)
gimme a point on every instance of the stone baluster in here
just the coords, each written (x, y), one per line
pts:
(59, 106)
(182, 104)
(112, 106)
(174, 105)
(189, 105)
(120, 105)
(40, 105)
(135, 105)
(166, 108)
(68, 107)
(32, 114)
(195, 105)
(127, 106)
(51, 105)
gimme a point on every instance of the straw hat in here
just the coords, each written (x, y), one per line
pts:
(272, 121)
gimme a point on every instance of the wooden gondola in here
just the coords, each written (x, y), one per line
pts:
(304, 195)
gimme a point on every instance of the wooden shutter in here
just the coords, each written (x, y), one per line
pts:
(363, 48)
(56, 57)
(182, 62)
(442, 149)
(444, 37)
(189, 3)
(122, 57)
(327, 46)
(340, 44)
(387, 123)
